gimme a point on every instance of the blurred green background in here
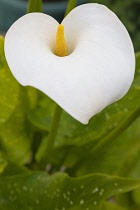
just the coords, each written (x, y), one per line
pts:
(127, 10)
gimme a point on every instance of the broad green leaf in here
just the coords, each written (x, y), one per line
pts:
(9, 94)
(15, 104)
(13, 137)
(119, 157)
(15, 134)
(9, 88)
(37, 190)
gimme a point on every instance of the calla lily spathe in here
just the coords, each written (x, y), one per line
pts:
(97, 71)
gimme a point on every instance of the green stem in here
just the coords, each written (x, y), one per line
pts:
(54, 128)
(34, 6)
(71, 5)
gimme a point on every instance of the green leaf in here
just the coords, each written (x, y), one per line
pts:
(120, 157)
(37, 190)
(9, 88)
(15, 104)
(9, 94)
(15, 134)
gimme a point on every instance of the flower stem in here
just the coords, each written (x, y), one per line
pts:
(71, 5)
(54, 128)
(34, 6)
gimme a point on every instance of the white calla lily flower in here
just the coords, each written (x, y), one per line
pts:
(97, 71)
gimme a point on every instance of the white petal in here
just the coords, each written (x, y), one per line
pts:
(98, 71)
(27, 42)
